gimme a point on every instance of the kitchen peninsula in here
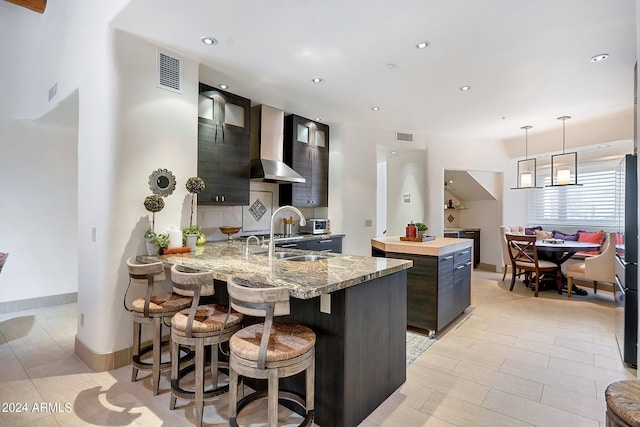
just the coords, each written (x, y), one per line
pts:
(439, 284)
(356, 306)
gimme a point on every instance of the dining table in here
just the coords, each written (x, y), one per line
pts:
(559, 251)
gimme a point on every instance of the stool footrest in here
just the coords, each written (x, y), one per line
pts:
(181, 393)
(283, 395)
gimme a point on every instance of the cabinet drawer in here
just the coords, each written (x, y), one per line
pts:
(329, 244)
(462, 256)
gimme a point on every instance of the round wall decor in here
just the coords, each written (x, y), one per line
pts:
(162, 182)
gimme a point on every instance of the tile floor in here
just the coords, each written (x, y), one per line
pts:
(511, 360)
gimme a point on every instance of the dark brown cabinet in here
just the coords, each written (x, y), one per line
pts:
(475, 235)
(306, 150)
(224, 124)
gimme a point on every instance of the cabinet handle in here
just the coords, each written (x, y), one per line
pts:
(460, 267)
(326, 250)
(464, 252)
(217, 199)
(326, 241)
(291, 245)
(222, 197)
(469, 263)
(448, 257)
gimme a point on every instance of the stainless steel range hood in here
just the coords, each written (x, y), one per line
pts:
(267, 143)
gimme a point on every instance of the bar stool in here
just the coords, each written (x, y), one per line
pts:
(269, 351)
(199, 326)
(151, 310)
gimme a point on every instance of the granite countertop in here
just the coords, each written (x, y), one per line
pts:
(304, 279)
(461, 229)
(437, 247)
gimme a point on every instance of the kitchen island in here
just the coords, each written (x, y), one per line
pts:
(439, 284)
(355, 305)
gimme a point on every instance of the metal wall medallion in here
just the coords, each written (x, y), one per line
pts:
(162, 182)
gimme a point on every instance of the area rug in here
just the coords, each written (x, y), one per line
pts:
(416, 345)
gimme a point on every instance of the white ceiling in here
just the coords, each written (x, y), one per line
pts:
(527, 62)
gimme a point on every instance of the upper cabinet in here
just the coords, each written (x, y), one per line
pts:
(224, 125)
(306, 150)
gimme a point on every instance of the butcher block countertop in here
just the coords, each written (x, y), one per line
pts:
(437, 247)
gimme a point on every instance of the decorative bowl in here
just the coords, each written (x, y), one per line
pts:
(229, 230)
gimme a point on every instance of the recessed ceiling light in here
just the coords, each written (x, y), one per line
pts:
(600, 57)
(318, 119)
(316, 79)
(464, 88)
(209, 40)
(393, 152)
(224, 86)
(391, 66)
(422, 45)
(603, 146)
(375, 108)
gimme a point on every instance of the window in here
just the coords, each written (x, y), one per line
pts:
(593, 204)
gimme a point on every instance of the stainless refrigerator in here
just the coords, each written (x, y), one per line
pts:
(627, 260)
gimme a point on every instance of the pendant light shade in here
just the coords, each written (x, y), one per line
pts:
(527, 167)
(564, 167)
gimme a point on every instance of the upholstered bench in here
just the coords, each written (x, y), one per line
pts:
(623, 404)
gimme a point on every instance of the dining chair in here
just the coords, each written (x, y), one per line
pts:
(597, 268)
(524, 256)
(504, 230)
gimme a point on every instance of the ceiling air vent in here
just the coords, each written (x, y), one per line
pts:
(169, 72)
(404, 137)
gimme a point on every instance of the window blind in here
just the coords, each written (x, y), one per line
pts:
(593, 204)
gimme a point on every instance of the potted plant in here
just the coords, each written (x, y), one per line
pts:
(152, 248)
(190, 236)
(194, 185)
(161, 240)
(422, 229)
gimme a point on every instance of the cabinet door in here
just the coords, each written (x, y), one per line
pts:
(306, 150)
(224, 125)
(446, 297)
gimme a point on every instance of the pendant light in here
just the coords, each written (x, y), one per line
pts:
(527, 167)
(564, 167)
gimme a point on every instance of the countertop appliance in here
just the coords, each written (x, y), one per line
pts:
(316, 226)
(627, 259)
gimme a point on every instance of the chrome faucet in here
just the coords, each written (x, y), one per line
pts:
(272, 245)
(249, 238)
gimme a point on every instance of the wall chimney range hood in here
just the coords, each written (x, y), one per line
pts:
(267, 144)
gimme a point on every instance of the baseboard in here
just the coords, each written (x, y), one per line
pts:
(102, 362)
(31, 303)
(489, 267)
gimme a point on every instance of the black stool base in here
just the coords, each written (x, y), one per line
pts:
(283, 396)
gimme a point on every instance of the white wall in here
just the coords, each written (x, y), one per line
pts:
(405, 175)
(152, 128)
(39, 208)
(381, 200)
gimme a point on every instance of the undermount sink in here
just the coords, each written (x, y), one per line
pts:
(283, 255)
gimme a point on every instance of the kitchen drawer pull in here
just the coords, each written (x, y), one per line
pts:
(448, 257)
(326, 250)
(460, 267)
(290, 245)
(464, 252)
(469, 263)
(326, 241)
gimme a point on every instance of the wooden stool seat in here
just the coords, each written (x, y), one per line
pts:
(285, 342)
(209, 318)
(162, 303)
(623, 404)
